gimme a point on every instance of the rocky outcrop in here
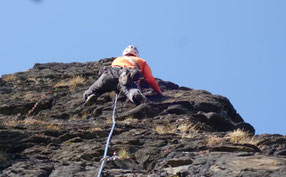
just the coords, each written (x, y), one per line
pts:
(45, 130)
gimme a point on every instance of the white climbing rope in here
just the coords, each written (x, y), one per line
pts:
(108, 139)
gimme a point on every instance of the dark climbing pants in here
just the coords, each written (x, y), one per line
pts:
(109, 81)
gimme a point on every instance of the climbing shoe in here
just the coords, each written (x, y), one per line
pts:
(90, 100)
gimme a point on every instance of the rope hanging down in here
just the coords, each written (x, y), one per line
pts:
(109, 137)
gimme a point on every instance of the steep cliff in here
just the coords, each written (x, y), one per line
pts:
(45, 130)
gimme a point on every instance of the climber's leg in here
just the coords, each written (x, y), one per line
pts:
(107, 82)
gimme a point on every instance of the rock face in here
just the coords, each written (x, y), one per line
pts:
(45, 130)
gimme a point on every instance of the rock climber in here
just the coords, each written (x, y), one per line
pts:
(123, 75)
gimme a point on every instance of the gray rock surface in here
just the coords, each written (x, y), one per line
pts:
(45, 130)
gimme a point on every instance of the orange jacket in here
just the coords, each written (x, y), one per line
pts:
(144, 67)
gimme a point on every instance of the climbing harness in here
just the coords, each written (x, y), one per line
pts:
(105, 157)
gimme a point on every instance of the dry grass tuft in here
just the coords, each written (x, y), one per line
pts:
(31, 96)
(28, 96)
(185, 130)
(53, 126)
(239, 136)
(189, 130)
(71, 83)
(160, 129)
(9, 77)
(96, 129)
(184, 127)
(130, 120)
(214, 140)
(30, 121)
(123, 154)
(14, 123)
(36, 82)
(165, 129)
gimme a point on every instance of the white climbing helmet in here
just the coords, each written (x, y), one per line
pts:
(130, 50)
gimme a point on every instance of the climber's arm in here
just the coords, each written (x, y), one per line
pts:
(147, 73)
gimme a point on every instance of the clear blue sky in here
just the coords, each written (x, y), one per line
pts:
(234, 48)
